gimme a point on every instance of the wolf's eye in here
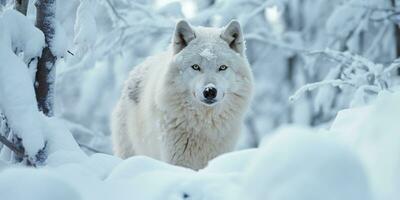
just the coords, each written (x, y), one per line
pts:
(223, 68)
(196, 67)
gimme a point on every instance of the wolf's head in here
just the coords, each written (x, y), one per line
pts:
(210, 65)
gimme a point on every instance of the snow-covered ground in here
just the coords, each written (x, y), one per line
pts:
(357, 158)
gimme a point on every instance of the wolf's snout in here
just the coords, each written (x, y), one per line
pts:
(210, 93)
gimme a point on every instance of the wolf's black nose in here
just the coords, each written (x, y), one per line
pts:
(210, 93)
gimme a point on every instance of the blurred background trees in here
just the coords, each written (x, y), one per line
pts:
(347, 48)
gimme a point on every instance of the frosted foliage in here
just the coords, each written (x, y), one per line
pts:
(289, 43)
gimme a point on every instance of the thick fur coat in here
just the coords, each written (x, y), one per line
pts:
(166, 110)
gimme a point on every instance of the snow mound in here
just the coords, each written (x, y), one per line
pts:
(306, 165)
(36, 184)
(356, 159)
(234, 162)
(138, 165)
(373, 132)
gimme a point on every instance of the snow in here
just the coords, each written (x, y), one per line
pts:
(357, 158)
(139, 165)
(58, 136)
(298, 164)
(36, 184)
(59, 43)
(373, 132)
(25, 37)
(234, 162)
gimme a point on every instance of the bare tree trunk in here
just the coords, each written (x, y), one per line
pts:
(21, 6)
(45, 75)
(396, 32)
(396, 35)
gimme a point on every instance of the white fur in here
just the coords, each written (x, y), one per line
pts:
(160, 113)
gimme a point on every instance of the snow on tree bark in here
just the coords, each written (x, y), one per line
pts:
(22, 6)
(45, 75)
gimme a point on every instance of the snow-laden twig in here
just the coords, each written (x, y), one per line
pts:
(313, 86)
(393, 66)
(5, 130)
(358, 72)
(376, 8)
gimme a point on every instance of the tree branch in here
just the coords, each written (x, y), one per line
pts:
(19, 152)
(45, 75)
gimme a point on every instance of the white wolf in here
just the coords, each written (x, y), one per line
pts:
(186, 106)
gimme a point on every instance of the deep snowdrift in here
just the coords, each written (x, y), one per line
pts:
(356, 159)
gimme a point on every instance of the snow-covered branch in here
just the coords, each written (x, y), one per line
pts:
(6, 131)
(16, 89)
(363, 75)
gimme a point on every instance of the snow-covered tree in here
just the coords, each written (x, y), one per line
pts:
(21, 119)
(46, 69)
(27, 81)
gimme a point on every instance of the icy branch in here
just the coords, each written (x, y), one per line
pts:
(313, 86)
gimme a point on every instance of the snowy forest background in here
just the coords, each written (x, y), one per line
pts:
(310, 58)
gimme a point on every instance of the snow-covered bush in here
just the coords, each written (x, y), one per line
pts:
(358, 77)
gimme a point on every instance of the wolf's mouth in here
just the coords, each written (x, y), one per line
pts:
(209, 101)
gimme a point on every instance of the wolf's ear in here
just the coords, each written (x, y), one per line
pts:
(182, 36)
(232, 34)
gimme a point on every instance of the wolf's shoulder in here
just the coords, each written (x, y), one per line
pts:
(137, 76)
